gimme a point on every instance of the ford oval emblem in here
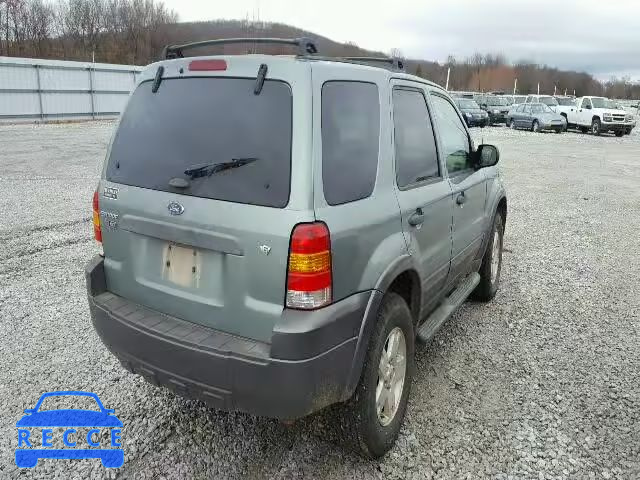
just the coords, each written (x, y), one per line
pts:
(175, 208)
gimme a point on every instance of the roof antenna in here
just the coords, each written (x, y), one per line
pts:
(157, 80)
(262, 72)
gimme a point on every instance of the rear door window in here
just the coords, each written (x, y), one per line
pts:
(350, 140)
(199, 122)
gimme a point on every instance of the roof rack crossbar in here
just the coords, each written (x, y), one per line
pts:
(396, 63)
(305, 46)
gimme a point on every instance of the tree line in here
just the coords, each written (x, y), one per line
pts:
(134, 32)
(113, 31)
(492, 72)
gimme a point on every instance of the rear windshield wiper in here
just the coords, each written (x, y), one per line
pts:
(212, 168)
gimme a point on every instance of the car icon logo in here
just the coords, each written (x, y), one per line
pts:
(40, 423)
(175, 208)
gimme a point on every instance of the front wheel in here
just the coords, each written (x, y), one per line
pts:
(491, 263)
(619, 134)
(370, 421)
(512, 124)
(595, 126)
(535, 127)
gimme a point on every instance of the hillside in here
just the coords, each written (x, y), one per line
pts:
(130, 32)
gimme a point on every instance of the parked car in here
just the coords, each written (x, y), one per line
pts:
(599, 115)
(232, 209)
(630, 119)
(473, 115)
(509, 98)
(496, 107)
(565, 104)
(536, 117)
(548, 100)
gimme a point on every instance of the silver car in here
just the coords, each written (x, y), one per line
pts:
(278, 231)
(535, 117)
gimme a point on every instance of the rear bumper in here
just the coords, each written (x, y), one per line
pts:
(314, 358)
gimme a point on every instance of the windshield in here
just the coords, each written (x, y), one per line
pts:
(467, 104)
(566, 102)
(191, 122)
(552, 102)
(540, 108)
(599, 102)
(496, 102)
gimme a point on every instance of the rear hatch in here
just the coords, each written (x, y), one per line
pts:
(186, 236)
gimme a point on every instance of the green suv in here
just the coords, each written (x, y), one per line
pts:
(278, 231)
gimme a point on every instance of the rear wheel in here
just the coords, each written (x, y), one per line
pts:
(535, 127)
(619, 134)
(370, 421)
(512, 124)
(584, 129)
(595, 126)
(491, 263)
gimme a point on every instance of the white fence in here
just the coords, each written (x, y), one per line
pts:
(45, 90)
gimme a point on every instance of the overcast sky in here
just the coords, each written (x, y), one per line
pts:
(600, 37)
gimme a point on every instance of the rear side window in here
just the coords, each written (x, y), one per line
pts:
(198, 122)
(416, 153)
(350, 139)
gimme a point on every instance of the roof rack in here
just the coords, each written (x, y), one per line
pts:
(396, 63)
(305, 46)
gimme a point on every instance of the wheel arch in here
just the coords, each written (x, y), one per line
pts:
(402, 278)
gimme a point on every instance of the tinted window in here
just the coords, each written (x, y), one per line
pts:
(350, 133)
(194, 122)
(455, 141)
(416, 153)
(586, 103)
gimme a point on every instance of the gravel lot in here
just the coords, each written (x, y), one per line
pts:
(544, 382)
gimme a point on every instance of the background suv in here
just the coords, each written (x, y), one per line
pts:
(278, 231)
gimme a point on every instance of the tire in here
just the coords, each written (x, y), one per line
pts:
(560, 130)
(619, 134)
(596, 126)
(359, 427)
(512, 124)
(566, 122)
(488, 286)
(535, 126)
(584, 129)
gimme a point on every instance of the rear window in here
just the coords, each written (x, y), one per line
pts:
(350, 138)
(197, 122)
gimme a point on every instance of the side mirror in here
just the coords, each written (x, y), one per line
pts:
(588, 107)
(487, 156)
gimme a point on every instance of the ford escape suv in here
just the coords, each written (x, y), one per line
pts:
(278, 231)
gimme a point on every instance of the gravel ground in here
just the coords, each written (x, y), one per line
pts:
(541, 383)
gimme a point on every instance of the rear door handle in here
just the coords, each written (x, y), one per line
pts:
(416, 218)
(460, 199)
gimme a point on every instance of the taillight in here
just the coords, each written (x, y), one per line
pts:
(309, 271)
(97, 228)
(207, 66)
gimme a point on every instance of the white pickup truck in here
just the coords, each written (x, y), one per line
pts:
(600, 115)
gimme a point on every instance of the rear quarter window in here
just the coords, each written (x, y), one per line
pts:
(350, 140)
(193, 122)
